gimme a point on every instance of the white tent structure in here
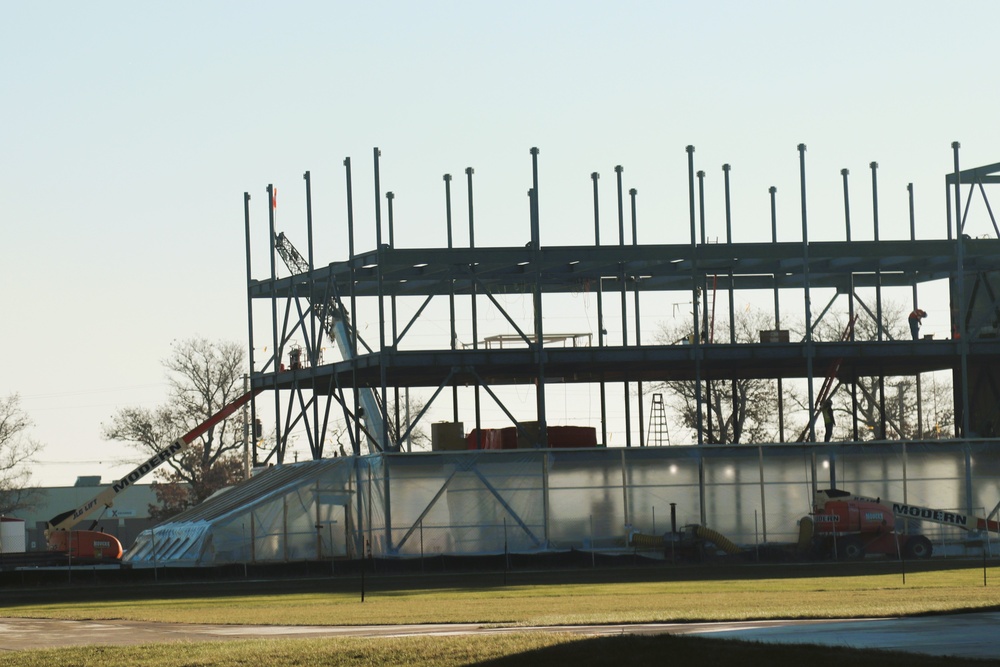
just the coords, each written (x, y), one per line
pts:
(547, 500)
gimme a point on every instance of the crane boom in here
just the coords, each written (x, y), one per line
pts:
(336, 322)
(67, 520)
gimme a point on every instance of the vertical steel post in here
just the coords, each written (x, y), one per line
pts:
(963, 333)
(847, 205)
(737, 430)
(805, 276)
(277, 346)
(380, 276)
(253, 401)
(638, 338)
(389, 196)
(594, 176)
(536, 254)
(473, 299)
(878, 270)
(777, 313)
(621, 264)
(624, 302)
(354, 309)
(451, 290)
(707, 328)
(309, 218)
(878, 303)
(729, 241)
(947, 197)
(701, 206)
(695, 347)
(850, 300)
(913, 237)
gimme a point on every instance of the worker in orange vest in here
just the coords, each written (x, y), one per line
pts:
(828, 421)
(914, 320)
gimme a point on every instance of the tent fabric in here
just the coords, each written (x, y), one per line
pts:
(542, 500)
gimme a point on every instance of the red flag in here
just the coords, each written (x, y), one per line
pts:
(274, 198)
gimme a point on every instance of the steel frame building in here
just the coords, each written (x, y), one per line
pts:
(394, 504)
(316, 299)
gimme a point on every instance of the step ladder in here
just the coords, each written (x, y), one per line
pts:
(659, 433)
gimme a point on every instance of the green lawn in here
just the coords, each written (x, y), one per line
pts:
(531, 599)
(546, 598)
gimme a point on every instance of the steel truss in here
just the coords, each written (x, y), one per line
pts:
(315, 300)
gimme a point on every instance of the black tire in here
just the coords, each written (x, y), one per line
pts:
(850, 547)
(917, 547)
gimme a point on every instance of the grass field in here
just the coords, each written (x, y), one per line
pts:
(517, 650)
(539, 598)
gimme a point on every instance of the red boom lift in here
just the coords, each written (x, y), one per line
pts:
(92, 544)
(849, 526)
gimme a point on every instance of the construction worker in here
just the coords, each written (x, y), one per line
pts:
(828, 419)
(914, 320)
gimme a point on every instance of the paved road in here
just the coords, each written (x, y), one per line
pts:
(965, 635)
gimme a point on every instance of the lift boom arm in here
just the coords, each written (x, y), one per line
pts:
(911, 511)
(336, 322)
(67, 520)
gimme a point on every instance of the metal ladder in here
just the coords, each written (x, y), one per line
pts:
(659, 433)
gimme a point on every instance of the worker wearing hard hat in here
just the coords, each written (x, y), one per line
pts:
(914, 320)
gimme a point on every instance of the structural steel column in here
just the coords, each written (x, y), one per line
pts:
(777, 313)
(451, 290)
(878, 304)
(913, 237)
(638, 338)
(963, 342)
(624, 303)
(380, 277)
(356, 441)
(475, 313)
(253, 401)
(805, 274)
(536, 254)
(850, 302)
(278, 347)
(737, 427)
(600, 312)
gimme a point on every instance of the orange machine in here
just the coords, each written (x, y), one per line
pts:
(86, 544)
(850, 526)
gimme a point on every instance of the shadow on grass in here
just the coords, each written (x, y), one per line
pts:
(642, 651)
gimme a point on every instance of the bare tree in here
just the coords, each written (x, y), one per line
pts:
(732, 411)
(419, 440)
(891, 400)
(203, 377)
(746, 410)
(17, 451)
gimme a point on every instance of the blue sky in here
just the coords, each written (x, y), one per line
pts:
(131, 131)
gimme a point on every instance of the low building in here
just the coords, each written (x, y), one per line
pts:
(125, 520)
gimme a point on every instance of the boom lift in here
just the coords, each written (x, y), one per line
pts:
(850, 527)
(92, 544)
